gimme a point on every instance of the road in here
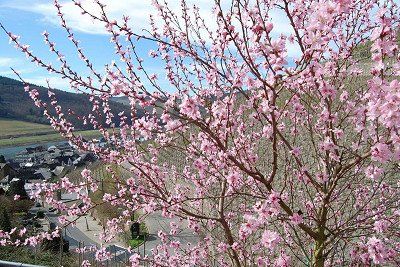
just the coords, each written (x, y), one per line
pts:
(78, 239)
(156, 222)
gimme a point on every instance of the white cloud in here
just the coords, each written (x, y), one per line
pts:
(138, 11)
(55, 82)
(18, 64)
(6, 62)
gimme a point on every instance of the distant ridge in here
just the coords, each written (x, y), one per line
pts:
(16, 104)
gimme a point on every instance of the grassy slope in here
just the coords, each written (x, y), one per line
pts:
(24, 133)
(13, 128)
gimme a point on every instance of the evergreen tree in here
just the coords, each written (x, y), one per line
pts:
(5, 222)
(17, 188)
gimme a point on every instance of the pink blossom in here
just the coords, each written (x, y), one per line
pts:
(135, 259)
(233, 179)
(102, 255)
(189, 108)
(296, 219)
(376, 250)
(283, 260)
(270, 239)
(296, 151)
(381, 152)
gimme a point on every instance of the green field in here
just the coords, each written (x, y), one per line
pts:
(17, 133)
(14, 128)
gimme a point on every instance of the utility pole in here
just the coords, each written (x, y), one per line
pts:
(79, 255)
(144, 244)
(61, 248)
(87, 224)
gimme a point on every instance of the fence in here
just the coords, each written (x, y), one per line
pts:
(16, 264)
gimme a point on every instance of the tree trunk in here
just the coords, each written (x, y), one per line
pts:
(318, 258)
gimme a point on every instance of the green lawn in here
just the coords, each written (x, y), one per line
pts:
(26, 140)
(17, 133)
(134, 243)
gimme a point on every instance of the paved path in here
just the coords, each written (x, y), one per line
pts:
(73, 234)
(78, 235)
(156, 222)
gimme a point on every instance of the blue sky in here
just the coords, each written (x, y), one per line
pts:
(29, 22)
(29, 18)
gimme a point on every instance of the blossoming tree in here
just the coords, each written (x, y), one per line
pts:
(270, 160)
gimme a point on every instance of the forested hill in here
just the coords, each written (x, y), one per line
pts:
(16, 104)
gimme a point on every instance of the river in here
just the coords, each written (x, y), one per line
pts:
(10, 152)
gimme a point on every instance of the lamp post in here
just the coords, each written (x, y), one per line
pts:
(87, 224)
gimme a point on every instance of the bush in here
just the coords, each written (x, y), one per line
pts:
(44, 258)
(5, 203)
(136, 242)
(5, 221)
(54, 245)
(17, 188)
(22, 205)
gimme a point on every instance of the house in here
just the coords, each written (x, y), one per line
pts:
(5, 181)
(50, 163)
(61, 170)
(64, 146)
(22, 157)
(27, 165)
(36, 149)
(84, 158)
(69, 153)
(88, 157)
(26, 173)
(7, 170)
(30, 187)
(43, 174)
(52, 155)
(53, 149)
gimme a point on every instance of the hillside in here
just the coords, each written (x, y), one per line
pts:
(13, 128)
(16, 104)
(18, 133)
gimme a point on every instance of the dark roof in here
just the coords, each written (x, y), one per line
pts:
(44, 172)
(2, 165)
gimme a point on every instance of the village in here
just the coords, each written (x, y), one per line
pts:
(42, 164)
(38, 164)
